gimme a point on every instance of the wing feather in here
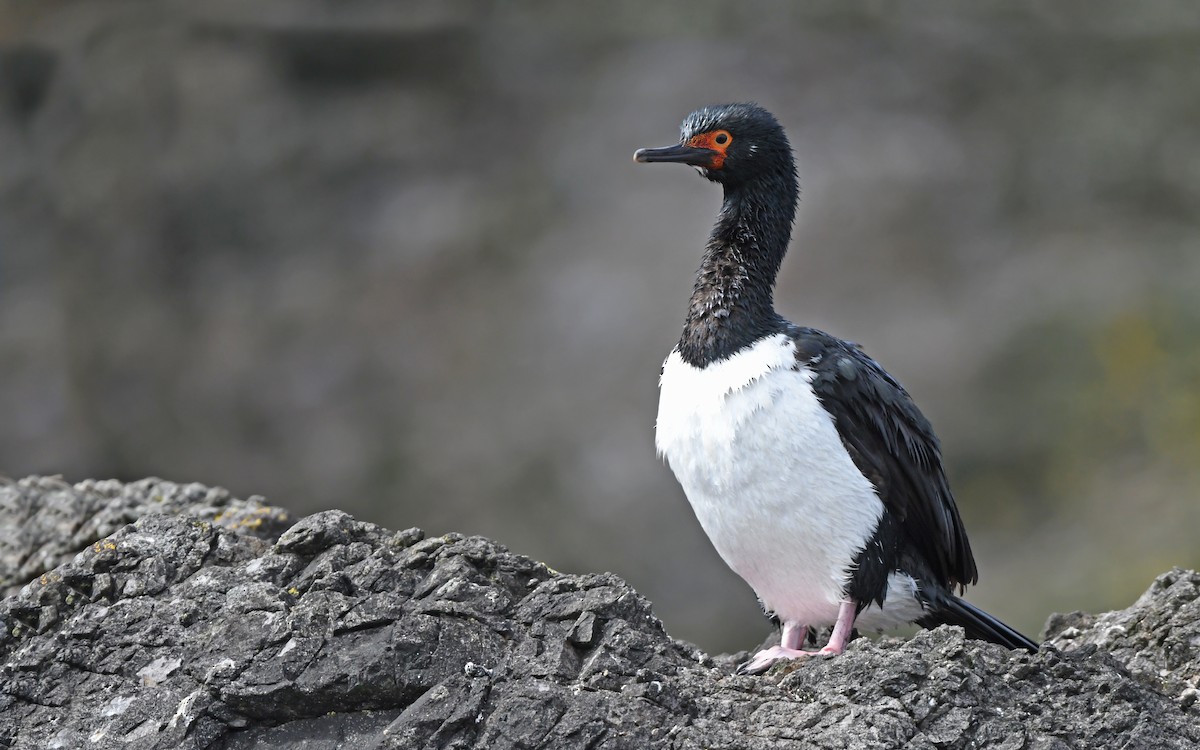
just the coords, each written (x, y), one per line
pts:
(894, 446)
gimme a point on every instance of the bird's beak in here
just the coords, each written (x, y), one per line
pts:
(681, 154)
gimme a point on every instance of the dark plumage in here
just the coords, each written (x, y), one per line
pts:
(893, 445)
(730, 306)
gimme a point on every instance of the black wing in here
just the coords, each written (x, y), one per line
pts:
(893, 445)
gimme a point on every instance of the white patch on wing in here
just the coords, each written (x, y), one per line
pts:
(767, 475)
(901, 606)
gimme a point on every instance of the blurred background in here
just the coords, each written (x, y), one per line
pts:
(395, 258)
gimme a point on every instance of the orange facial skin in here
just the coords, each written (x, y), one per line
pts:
(717, 141)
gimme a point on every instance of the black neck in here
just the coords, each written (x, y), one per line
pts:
(732, 303)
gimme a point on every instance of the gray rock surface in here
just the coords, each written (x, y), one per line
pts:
(44, 521)
(179, 632)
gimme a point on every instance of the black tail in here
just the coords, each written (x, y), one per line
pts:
(948, 609)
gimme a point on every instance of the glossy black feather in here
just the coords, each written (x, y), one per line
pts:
(732, 303)
(947, 609)
(894, 446)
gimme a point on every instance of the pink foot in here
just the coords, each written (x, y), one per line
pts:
(793, 637)
(765, 659)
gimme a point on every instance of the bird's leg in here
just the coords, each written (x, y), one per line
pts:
(841, 629)
(793, 637)
(790, 642)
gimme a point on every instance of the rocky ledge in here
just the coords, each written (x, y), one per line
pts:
(169, 616)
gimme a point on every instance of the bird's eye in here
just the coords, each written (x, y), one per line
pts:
(722, 138)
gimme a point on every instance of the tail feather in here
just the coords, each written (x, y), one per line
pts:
(950, 610)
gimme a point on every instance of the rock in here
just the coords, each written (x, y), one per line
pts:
(1157, 639)
(44, 521)
(176, 631)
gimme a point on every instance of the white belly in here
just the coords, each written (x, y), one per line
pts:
(765, 471)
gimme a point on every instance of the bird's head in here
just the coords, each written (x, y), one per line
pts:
(728, 143)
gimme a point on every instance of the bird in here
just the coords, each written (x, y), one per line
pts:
(812, 471)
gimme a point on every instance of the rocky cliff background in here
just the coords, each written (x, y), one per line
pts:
(394, 258)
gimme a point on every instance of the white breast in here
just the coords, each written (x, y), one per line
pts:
(765, 471)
